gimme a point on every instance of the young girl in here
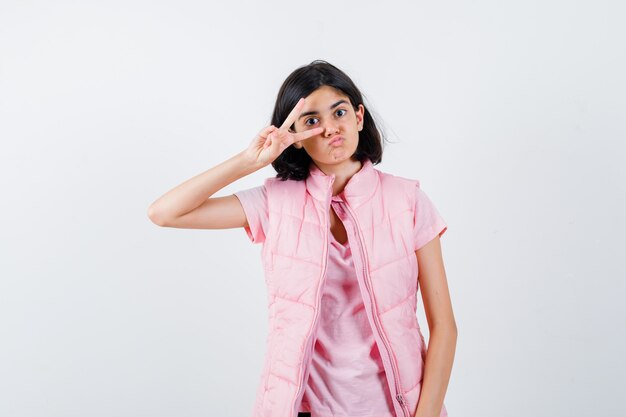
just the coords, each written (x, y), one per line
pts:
(345, 249)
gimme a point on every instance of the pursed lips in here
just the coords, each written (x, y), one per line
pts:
(335, 139)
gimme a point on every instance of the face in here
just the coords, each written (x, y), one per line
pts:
(329, 108)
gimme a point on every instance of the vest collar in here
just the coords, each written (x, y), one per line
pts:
(359, 188)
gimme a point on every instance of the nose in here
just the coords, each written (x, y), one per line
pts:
(330, 129)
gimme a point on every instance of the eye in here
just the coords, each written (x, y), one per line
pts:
(307, 121)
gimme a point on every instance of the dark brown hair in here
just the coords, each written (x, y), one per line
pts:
(294, 163)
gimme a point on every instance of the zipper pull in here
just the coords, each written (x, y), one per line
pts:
(400, 399)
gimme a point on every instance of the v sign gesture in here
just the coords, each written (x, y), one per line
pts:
(272, 141)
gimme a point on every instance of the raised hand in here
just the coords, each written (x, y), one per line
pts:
(272, 141)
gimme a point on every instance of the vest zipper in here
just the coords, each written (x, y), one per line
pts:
(308, 356)
(381, 333)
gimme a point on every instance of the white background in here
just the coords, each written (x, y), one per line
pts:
(511, 114)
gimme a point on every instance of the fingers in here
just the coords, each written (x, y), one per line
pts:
(267, 130)
(307, 134)
(293, 115)
(268, 139)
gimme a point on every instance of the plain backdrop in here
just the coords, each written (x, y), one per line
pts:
(511, 114)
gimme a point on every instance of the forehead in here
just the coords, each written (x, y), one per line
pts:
(323, 94)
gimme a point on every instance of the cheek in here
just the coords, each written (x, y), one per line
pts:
(314, 144)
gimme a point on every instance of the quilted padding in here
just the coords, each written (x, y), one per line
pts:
(295, 253)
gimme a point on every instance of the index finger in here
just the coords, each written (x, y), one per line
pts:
(291, 118)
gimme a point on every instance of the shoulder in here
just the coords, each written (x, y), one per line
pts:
(282, 194)
(275, 184)
(399, 180)
(398, 185)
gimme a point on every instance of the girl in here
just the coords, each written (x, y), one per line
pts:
(345, 248)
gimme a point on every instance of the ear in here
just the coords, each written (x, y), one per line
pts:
(360, 113)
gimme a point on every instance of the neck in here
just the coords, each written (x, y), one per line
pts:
(343, 171)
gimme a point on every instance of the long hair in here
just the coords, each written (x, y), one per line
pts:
(294, 163)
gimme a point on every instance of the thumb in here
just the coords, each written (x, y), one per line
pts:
(271, 138)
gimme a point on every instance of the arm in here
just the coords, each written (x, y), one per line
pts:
(188, 205)
(442, 326)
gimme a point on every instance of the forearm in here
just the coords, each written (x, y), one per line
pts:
(437, 369)
(196, 190)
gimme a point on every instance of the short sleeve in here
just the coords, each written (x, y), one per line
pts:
(254, 203)
(428, 224)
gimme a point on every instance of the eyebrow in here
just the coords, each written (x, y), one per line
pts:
(315, 111)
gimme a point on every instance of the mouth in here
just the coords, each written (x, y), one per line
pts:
(336, 141)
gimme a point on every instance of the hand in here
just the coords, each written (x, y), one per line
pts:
(272, 141)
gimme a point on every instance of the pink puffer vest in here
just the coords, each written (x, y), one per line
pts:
(294, 256)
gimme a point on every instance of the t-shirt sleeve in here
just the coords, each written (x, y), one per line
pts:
(254, 203)
(428, 223)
